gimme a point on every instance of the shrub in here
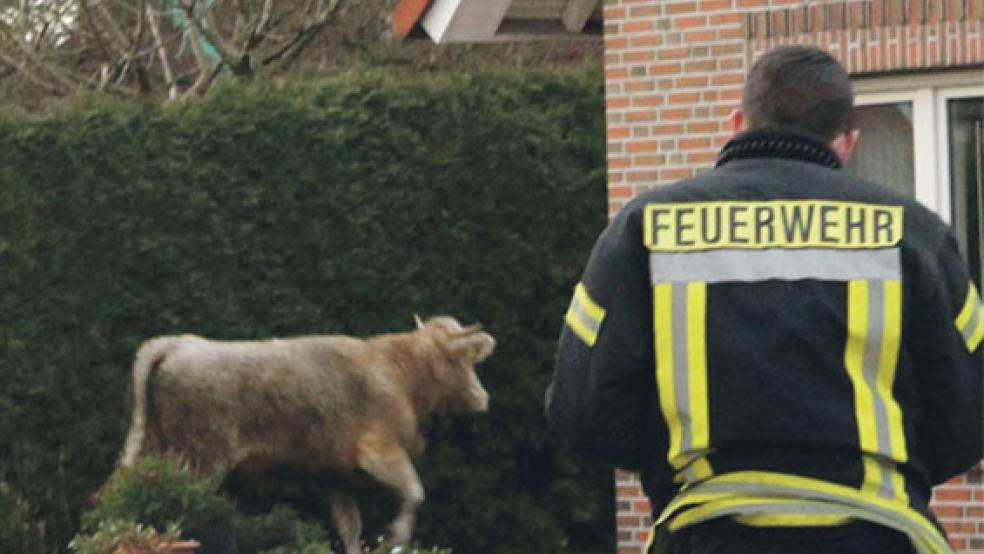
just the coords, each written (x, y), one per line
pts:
(124, 537)
(161, 493)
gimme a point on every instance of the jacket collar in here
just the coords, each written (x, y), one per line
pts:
(787, 144)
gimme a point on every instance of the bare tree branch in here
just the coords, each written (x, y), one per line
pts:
(172, 87)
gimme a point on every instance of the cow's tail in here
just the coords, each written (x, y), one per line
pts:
(148, 358)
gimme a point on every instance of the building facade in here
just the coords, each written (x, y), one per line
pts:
(674, 70)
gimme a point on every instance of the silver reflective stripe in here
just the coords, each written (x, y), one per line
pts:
(970, 329)
(717, 266)
(843, 504)
(681, 368)
(586, 319)
(806, 507)
(871, 362)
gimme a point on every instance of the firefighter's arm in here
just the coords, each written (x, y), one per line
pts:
(603, 385)
(949, 332)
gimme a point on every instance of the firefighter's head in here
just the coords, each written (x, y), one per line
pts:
(800, 86)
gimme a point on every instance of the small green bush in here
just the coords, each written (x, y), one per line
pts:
(112, 536)
(160, 492)
(281, 531)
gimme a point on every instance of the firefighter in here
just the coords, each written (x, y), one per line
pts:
(789, 355)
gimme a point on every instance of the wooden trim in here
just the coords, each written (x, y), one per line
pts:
(576, 14)
(406, 14)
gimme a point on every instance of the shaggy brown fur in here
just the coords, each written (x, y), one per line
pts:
(321, 404)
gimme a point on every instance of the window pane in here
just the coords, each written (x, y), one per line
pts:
(965, 119)
(884, 153)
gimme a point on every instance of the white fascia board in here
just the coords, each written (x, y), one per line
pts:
(464, 20)
(576, 14)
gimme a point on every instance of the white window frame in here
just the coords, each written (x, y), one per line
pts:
(928, 95)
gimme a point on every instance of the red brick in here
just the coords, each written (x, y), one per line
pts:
(648, 100)
(674, 53)
(719, 19)
(616, 73)
(680, 7)
(952, 494)
(636, 176)
(668, 129)
(610, 13)
(693, 81)
(621, 192)
(636, 57)
(618, 132)
(640, 116)
(700, 36)
(714, 5)
(704, 158)
(643, 146)
(639, 26)
(646, 41)
(663, 68)
(676, 113)
(694, 143)
(676, 173)
(617, 103)
(728, 79)
(644, 161)
(620, 163)
(684, 98)
(702, 127)
(690, 22)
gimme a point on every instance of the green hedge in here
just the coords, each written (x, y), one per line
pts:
(340, 206)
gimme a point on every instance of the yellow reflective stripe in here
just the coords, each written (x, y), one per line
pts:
(663, 328)
(967, 311)
(680, 321)
(595, 311)
(970, 320)
(697, 356)
(857, 336)
(889, 358)
(791, 520)
(871, 359)
(977, 336)
(584, 315)
(760, 486)
(811, 512)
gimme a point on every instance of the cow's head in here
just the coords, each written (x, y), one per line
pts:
(461, 348)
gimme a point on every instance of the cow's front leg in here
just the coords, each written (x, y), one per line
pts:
(391, 466)
(348, 522)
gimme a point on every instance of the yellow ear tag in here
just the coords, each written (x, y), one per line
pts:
(472, 352)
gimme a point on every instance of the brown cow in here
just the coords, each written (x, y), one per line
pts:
(332, 405)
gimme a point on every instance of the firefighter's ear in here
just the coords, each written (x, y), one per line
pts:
(844, 144)
(738, 123)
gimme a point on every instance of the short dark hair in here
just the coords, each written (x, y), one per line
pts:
(800, 86)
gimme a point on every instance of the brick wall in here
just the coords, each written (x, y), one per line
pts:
(674, 71)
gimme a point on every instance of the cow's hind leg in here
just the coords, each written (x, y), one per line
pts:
(391, 466)
(348, 522)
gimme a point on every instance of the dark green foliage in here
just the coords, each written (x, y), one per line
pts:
(113, 536)
(159, 492)
(342, 206)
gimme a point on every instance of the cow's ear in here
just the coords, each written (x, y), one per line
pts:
(474, 347)
(418, 321)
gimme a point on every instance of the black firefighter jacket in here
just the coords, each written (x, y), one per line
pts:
(779, 342)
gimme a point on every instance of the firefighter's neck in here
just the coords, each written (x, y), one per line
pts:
(843, 144)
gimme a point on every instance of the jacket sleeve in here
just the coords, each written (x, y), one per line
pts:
(602, 398)
(948, 328)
